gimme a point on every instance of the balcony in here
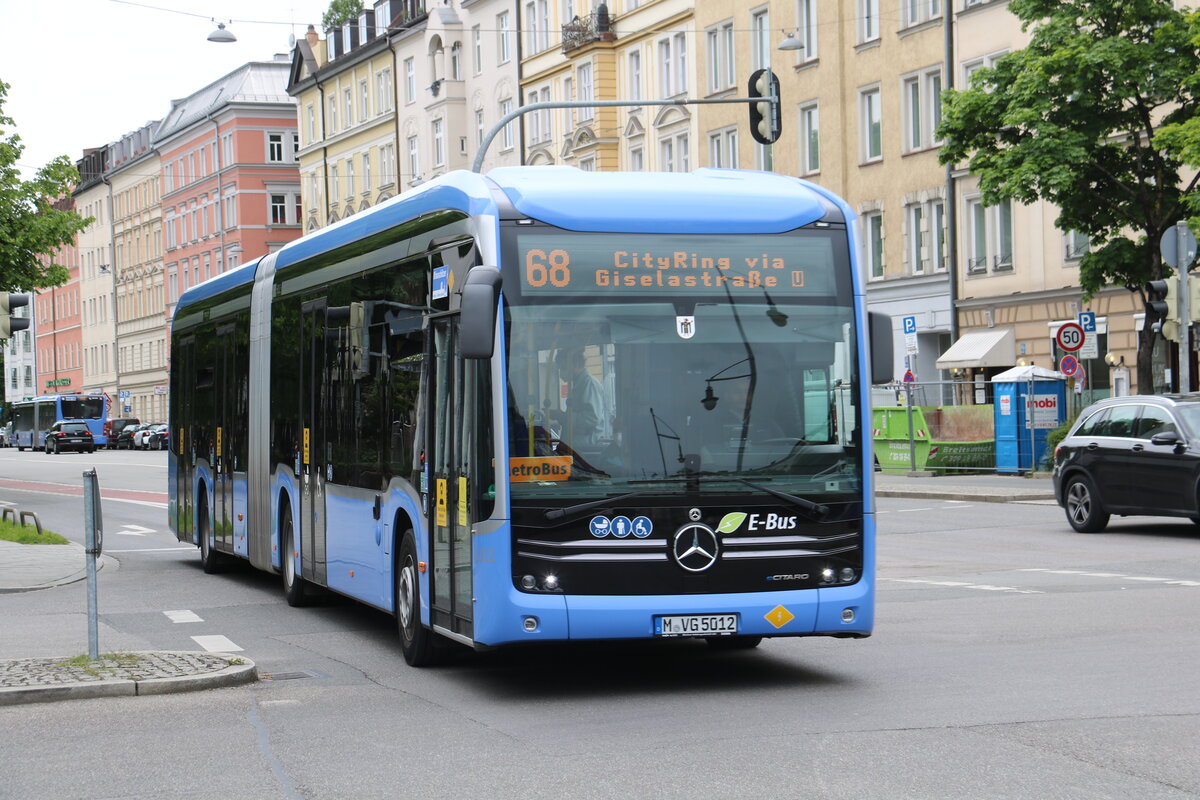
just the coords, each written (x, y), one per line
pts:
(593, 27)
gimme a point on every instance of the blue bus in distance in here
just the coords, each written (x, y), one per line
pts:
(544, 404)
(33, 417)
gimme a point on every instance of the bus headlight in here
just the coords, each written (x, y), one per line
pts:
(848, 575)
(550, 583)
(827, 575)
(528, 583)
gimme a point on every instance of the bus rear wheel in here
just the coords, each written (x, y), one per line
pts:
(210, 561)
(293, 584)
(416, 640)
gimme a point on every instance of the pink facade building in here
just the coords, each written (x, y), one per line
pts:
(58, 343)
(230, 182)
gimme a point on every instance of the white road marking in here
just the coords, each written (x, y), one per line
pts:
(216, 644)
(136, 530)
(183, 615)
(1081, 573)
(986, 587)
(153, 550)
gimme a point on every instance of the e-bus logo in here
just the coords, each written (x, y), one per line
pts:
(541, 468)
(756, 522)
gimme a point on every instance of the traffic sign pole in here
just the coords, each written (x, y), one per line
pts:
(1185, 312)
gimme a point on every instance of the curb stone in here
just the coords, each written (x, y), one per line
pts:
(39, 680)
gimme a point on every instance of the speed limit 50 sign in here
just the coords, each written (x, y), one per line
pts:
(1070, 336)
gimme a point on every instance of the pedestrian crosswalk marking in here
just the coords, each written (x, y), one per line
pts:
(216, 644)
(183, 615)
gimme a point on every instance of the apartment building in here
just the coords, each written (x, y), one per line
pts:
(58, 335)
(96, 276)
(399, 95)
(133, 178)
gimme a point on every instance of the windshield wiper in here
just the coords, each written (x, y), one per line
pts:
(818, 510)
(559, 513)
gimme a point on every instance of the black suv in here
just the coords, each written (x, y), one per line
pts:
(69, 434)
(1130, 455)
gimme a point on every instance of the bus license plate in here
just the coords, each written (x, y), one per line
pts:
(696, 625)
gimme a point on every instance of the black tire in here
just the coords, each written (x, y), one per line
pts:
(51, 450)
(1082, 504)
(734, 642)
(293, 584)
(417, 641)
(210, 560)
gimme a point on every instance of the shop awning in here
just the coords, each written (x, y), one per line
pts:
(991, 347)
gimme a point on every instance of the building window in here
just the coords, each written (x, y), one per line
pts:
(917, 11)
(348, 97)
(506, 133)
(937, 210)
(503, 40)
(366, 172)
(410, 80)
(916, 233)
(585, 91)
(873, 246)
(672, 65)
(721, 74)
(810, 138)
(278, 209)
(723, 149)
(477, 50)
(480, 132)
(1077, 244)
(350, 178)
(387, 164)
(990, 236)
(868, 20)
(808, 29)
(870, 125)
(921, 96)
(537, 26)
(333, 114)
(275, 147)
(456, 61)
(383, 90)
(760, 38)
(364, 99)
(674, 153)
(635, 74)
(637, 159)
(414, 157)
(439, 143)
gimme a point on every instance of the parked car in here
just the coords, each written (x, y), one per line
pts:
(141, 439)
(125, 437)
(69, 434)
(159, 438)
(113, 428)
(1138, 454)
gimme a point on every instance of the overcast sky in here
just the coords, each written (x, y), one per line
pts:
(82, 73)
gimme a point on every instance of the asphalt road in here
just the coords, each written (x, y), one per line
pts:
(1013, 658)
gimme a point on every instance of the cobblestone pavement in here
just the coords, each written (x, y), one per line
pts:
(128, 666)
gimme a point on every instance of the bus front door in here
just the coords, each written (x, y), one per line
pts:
(313, 396)
(450, 433)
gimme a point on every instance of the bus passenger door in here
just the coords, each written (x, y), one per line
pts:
(449, 512)
(224, 384)
(313, 395)
(183, 365)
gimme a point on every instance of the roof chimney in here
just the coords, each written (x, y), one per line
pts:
(311, 36)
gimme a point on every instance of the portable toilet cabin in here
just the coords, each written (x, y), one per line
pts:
(1029, 403)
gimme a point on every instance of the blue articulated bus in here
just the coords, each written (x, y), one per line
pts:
(544, 404)
(33, 417)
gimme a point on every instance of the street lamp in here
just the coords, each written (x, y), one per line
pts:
(221, 34)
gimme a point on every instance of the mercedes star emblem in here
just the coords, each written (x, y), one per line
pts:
(695, 547)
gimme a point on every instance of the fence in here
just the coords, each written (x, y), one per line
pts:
(950, 427)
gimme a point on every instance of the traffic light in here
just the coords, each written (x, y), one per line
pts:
(1164, 303)
(9, 323)
(765, 117)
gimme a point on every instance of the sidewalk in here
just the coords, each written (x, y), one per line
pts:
(26, 568)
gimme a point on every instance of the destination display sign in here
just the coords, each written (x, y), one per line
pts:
(641, 264)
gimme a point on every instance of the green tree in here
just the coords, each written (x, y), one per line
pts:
(340, 11)
(1072, 119)
(30, 225)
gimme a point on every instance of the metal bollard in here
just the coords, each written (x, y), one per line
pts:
(36, 522)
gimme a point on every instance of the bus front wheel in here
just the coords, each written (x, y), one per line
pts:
(416, 640)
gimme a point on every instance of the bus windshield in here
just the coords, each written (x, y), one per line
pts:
(640, 361)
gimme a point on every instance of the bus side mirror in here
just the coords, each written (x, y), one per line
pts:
(480, 299)
(880, 332)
